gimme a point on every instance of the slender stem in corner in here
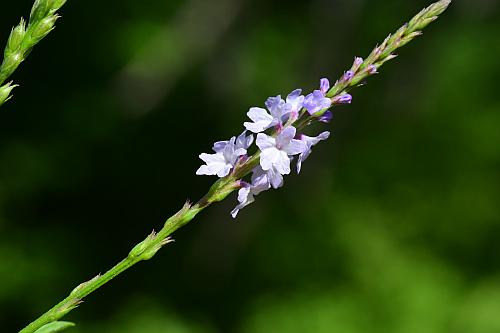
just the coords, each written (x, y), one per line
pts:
(145, 250)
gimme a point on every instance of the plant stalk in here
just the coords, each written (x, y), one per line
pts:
(146, 249)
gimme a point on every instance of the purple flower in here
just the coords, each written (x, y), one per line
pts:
(279, 110)
(326, 117)
(324, 85)
(260, 182)
(372, 69)
(343, 99)
(310, 142)
(276, 105)
(294, 102)
(261, 120)
(348, 76)
(317, 101)
(358, 62)
(275, 151)
(223, 160)
(242, 141)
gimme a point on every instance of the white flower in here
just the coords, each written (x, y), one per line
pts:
(261, 120)
(275, 151)
(221, 163)
(310, 142)
(279, 109)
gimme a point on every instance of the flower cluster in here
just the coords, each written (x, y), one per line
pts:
(277, 138)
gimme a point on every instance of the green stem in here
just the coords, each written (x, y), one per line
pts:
(146, 249)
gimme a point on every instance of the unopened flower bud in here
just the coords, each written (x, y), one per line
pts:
(343, 99)
(16, 37)
(372, 69)
(11, 62)
(56, 4)
(43, 28)
(39, 10)
(326, 117)
(348, 76)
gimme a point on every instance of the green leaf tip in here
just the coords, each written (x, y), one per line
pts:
(56, 326)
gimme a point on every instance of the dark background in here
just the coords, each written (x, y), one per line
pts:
(393, 225)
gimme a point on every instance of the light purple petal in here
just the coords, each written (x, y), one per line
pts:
(228, 152)
(326, 117)
(325, 103)
(343, 99)
(358, 61)
(261, 120)
(324, 85)
(223, 172)
(256, 127)
(275, 178)
(259, 114)
(314, 140)
(301, 158)
(286, 135)
(264, 141)
(243, 194)
(295, 147)
(269, 157)
(204, 170)
(310, 141)
(245, 198)
(309, 102)
(316, 102)
(240, 152)
(244, 141)
(219, 146)
(282, 163)
(275, 106)
(215, 165)
(235, 211)
(212, 158)
(295, 101)
(294, 95)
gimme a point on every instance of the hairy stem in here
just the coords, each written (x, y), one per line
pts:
(145, 250)
(384, 52)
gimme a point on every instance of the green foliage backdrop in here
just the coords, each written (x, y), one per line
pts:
(393, 226)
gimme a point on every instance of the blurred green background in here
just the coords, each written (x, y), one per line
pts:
(393, 226)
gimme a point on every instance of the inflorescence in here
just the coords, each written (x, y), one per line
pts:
(279, 140)
(279, 128)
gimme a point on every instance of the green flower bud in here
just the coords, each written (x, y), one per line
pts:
(39, 10)
(10, 63)
(56, 4)
(16, 37)
(42, 28)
